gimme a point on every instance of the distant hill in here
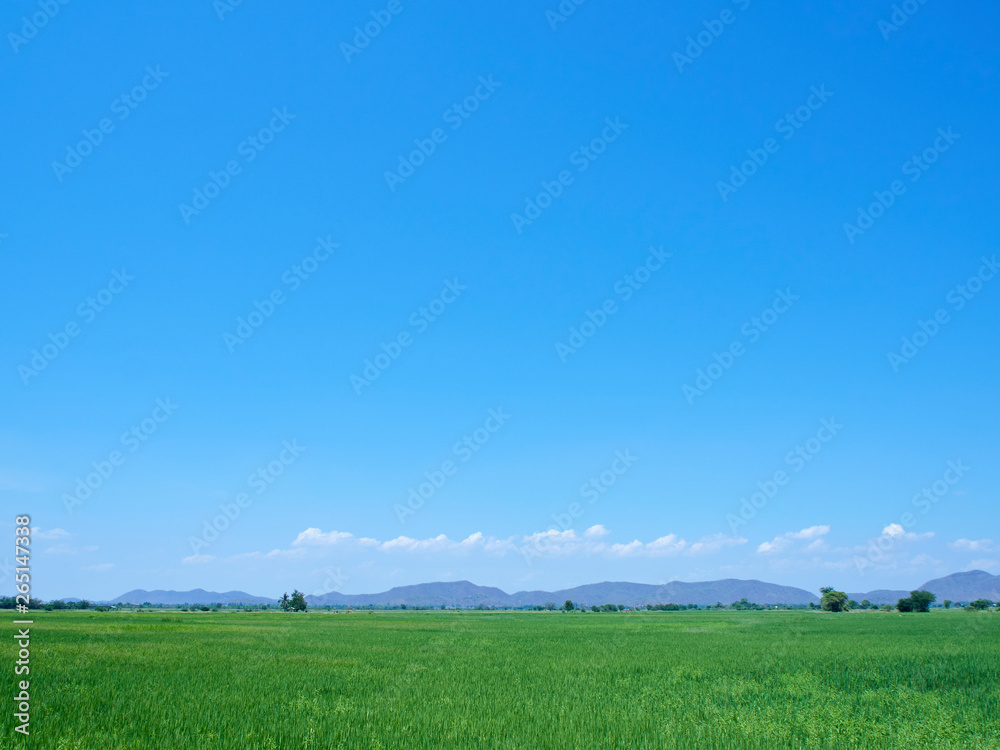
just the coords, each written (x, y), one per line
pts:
(703, 593)
(965, 587)
(466, 594)
(451, 594)
(959, 587)
(195, 596)
(880, 596)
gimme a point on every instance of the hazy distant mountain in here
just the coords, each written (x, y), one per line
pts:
(196, 596)
(678, 592)
(880, 596)
(466, 594)
(959, 587)
(451, 594)
(965, 587)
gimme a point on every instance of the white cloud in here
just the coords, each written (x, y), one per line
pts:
(405, 543)
(810, 533)
(313, 541)
(972, 545)
(777, 545)
(313, 536)
(197, 559)
(298, 552)
(552, 536)
(472, 540)
(37, 533)
(627, 550)
(895, 531)
(668, 542)
(784, 541)
(671, 544)
(65, 549)
(888, 551)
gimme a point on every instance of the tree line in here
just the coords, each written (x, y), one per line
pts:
(917, 601)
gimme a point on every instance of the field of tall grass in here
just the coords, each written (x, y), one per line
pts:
(172, 680)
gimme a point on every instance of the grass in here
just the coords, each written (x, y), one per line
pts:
(511, 680)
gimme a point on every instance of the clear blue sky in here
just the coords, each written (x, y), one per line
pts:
(635, 129)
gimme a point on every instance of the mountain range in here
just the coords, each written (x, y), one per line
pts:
(195, 596)
(959, 587)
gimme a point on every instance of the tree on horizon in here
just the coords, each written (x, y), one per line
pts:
(833, 601)
(917, 601)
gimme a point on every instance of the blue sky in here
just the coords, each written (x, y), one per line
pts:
(600, 275)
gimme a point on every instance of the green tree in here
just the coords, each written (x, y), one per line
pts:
(550, 606)
(852, 604)
(865, 604)
(568, 606)
(833, 601)
(284, 602)
(298, 601)
(947, 603)
(917, 601)
(922, 600)
(980, 604)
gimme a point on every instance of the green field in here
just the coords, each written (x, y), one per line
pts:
(511, 680)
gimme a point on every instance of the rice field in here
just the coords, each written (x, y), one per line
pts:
(385, 680)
